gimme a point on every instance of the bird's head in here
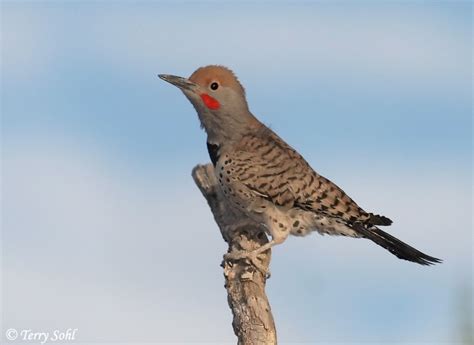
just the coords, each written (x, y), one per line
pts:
(218, 98)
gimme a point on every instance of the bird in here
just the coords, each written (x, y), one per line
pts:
(267, 179)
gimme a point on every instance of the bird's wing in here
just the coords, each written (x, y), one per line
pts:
(268, 168)
(271, 168)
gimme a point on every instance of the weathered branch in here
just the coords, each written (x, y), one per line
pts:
(253, 321)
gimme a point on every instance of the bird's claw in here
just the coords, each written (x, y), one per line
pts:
(252, 257)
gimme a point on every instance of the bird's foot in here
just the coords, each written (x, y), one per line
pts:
(253, 258)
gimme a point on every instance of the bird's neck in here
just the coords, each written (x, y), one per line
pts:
(228, 130)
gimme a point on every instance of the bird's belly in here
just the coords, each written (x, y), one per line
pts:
(241, 197)
(305, 222)
(331, 226)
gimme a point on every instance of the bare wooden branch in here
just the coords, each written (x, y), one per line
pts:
(253, 321)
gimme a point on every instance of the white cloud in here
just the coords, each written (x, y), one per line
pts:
(399, 43)
(120, 259)
(373, 41)
(27, 42)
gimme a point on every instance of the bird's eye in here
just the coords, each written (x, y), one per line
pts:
(214, 86)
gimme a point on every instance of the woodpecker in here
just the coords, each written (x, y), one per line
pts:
(267, 179)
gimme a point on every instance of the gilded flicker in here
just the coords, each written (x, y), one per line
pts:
(267, 179)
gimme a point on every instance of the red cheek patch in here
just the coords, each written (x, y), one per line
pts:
(210, 102)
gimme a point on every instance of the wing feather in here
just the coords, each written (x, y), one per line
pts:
(269, 167)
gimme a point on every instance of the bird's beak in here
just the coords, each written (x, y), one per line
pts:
(182, 83)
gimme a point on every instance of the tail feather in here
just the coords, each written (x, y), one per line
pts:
(394, 245)
(376, 219)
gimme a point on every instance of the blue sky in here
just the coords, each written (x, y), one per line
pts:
(103, 229)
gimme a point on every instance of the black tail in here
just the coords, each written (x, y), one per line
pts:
(394, 245)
